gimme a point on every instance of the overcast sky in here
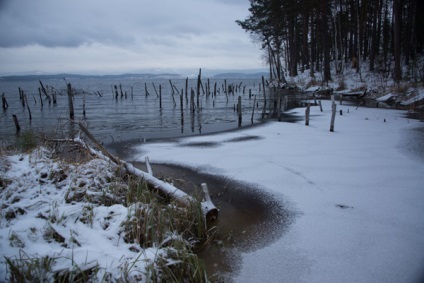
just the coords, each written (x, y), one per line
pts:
(109, 36)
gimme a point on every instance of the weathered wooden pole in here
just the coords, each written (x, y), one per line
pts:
(160, 96)
(21, 97)
(83, 105)
(4, 102)
(333, 116)
(120, 88)
(198, 87)
(15, 120)
(41, 99)
(239, 111)
(307, 111)
(182, 106)
(341, 99)
(263, 86)
(70, 102)
(145, 90)
(116, 91)
(186, 90)
(192, 94)
(320, 105)
(253, 109)
(29, 110)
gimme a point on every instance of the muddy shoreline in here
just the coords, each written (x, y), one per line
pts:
(249, 218)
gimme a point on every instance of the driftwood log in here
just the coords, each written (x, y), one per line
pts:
(209, 209)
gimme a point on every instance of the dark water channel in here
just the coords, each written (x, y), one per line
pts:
(248, 218)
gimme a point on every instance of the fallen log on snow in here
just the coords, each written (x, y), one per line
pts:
(209, 209)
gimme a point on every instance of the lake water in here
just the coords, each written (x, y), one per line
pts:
(133, 115)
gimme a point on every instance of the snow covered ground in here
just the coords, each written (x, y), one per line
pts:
(358, 192)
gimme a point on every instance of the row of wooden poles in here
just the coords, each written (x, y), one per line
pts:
(51, 97)
(194, 96)
(194, 100)
(333, 111)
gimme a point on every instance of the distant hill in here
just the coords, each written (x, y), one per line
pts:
(76, 76)
(240, 75)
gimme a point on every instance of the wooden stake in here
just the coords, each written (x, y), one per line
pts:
(239, 111)
(160, 96)
(15, 120)
(70, 102)
(83, 105)
(307, 111)
(4, 102)
(29, 110)
(41, 99)
(264, 109)
(333, 116)
(253, 109)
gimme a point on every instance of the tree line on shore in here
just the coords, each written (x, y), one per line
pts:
(313, 34)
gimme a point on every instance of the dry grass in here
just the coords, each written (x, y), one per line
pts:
(153, 221)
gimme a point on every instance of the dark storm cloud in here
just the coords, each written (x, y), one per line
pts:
(54, 24)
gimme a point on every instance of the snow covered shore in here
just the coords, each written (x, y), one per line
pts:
(358, 193)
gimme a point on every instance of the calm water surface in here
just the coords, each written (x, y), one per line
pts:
(133, 115)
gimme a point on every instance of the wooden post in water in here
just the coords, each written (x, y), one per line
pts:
(21, 97)
(29, 110)
(239, 111)
(341, 99)
(4, 102)
(15, 120)
(70, 102)
(307, 111)
(333, 117)
(199, 82)
(160, 96)
(320, 105)
(116, 91)
(83, 105)
(186, 90)
(41, 99)
(253, 110)
(145, 89)
(192, 94)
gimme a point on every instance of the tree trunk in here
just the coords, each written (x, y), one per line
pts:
(397, 17)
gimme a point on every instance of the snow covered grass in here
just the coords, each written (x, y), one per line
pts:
(358, 192)
(86, 220)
